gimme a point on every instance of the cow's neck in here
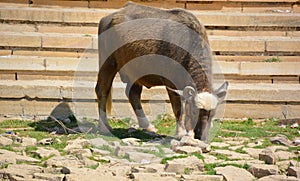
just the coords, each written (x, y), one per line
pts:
(201, 76)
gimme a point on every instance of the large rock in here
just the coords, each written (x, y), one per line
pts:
(98, 142)
(76, 144)
(268, 156)
(151, 168)
(121, 150)
(188, 149)
(232, 173)
(12, 157)
(28, 141)
(242, 162)
(150, 177)
(278, 178)
(284, 155)
(97, 151)
(45, 152)
(81, 153)
(262, 170)
(210, 159)
(131, 141)
(140, 157)
(48, 176)
(219, 144)
(61, 161)
(281, 139)
(180, 165)
(7, 157)
(253, 152)
(232, 154)
(46, 141)
(4, 141)
(190, 141)
(294, 171)
(202, 177)
(20, 171)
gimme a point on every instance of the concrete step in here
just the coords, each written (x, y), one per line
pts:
(279, 6)
(31, 109)
(40, 98)
(44, 89)
(92, 17)
(256, 44)
(94, 54)
(93, 30)
(32, 67)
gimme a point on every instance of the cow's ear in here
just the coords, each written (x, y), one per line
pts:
(221, 91)
(188, 92)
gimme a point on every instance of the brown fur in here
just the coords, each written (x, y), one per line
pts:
(199, 70)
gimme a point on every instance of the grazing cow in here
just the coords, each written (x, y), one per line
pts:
(155, 47)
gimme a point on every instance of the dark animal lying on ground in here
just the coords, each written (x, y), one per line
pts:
(155, 47)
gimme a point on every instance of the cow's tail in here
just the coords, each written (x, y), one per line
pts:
(109, 102)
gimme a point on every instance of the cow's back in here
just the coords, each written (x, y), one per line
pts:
(142, 47)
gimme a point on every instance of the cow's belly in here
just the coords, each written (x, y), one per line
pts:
(151, 81)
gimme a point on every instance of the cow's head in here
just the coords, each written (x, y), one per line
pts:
(199, 109)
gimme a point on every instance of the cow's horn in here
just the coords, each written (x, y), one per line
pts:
(188, 91)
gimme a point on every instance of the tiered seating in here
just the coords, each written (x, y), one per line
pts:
(49, 55)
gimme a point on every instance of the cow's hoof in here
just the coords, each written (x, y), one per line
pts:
(191, 134)
(104, 130)
(181, 134)
(151, 128)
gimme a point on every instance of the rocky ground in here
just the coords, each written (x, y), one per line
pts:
(48, 156)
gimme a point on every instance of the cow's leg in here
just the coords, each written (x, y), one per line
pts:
(104, 83)
(203, 125)
(134, 96)
(175, 100)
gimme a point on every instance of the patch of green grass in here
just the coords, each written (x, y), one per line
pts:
(199, 156)
(7, 147)
(274, 59)
(39, 135)
(120, 123)
(240, 150)
(187, 171)
(164, 160)
(221, 157)
(107, 148)
(28, 149)
(94, 167)
(297, 158)
(294, 148)
(165, 125)
(250, 129)
(209, 169)
(15, 124)
(3, 165)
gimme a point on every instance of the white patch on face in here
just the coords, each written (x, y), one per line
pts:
(206, 100)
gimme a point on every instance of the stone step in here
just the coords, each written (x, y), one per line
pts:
(90, 65)
(279, 6)
(86, 54)
(40, 98)
(93, 30)
(89, 42)
(59, 90)
(92, 16)
(42, 109)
